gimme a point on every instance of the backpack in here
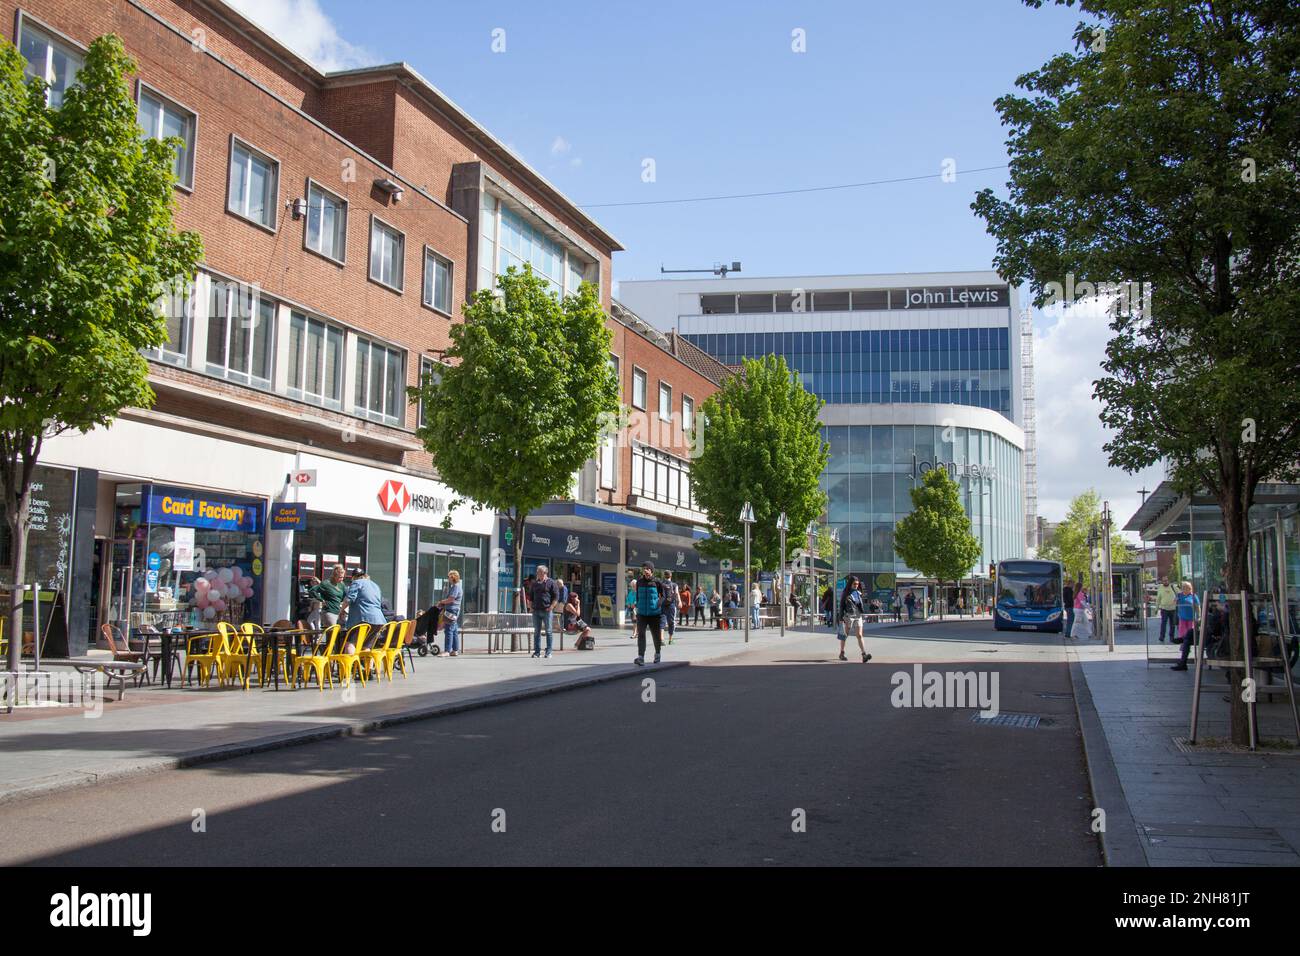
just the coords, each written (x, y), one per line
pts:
(648, 599)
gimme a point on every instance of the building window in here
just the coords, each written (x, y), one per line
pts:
(176, 306)
(50, 60)
(508, 237)
(688, 414)
(638, 388)
(661, 477)
(241, 328)
(161, 119)
(429, 371)
(437, 281)
(327, 223)
(717, 304)
(608, 463)
(380, 382)
(315, 361)
(254, 184)
(665, 402)
(387, 250)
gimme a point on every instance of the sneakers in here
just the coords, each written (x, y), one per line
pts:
(548, 655)
(1179, 667)
(536, 654)
(656, 657)
(639, 662)
(842, 657)
(865, 658)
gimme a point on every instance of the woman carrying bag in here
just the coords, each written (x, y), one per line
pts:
(851, 616)
(1082, 614)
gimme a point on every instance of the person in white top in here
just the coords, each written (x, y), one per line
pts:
(755, 603)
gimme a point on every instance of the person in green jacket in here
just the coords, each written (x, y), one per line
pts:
(330, 594)
(1167, 601)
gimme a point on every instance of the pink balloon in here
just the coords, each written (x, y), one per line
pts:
(247, 593)
(202, 584)
(202, 599)
(219, 604)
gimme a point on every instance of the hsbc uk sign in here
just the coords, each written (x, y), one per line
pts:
(394, 499)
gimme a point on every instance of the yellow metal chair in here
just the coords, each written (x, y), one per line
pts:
(244, 654)
(346, 662)
(210, 659)
(372, 657)
(318, 661)
(393, 653)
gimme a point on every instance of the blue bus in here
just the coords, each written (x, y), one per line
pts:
(1028, 596)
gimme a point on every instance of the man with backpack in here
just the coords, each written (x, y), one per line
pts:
(543, 596)
(653, 597)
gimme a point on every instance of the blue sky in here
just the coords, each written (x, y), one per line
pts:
(715, 95)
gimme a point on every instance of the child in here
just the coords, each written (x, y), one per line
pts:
(573, 622)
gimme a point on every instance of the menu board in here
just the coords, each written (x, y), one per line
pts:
(49, 540)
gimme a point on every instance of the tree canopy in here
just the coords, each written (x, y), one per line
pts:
(524, 399)
(1069, 542)
(935, 538)
(762, 444)
(1163, 151)
(87, 249)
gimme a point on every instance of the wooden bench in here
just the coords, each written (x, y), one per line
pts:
(113, 670)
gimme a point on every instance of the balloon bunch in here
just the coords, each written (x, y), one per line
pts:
(217, 588)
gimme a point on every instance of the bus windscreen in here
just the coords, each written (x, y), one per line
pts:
(1029, 584)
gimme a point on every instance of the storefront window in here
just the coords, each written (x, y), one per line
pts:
(49, 540)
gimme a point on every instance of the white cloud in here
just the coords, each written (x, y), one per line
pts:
(560, 146)
(575, 162)
(304, 27)
(1067, 360)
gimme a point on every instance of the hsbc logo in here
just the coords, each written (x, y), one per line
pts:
(395, 499)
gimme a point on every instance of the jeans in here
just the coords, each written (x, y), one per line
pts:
(1069, 620)
(451, 636)
(655, 624)
(1187, 646)
(753, 617)
(541, 620)
(1169, 617)
(670, 618)
(699, 614)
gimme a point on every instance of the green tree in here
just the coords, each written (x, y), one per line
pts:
(87, 248)
(936, 539)
(525, 401)
(1163, 150)
(1069, 543)
(762, 444)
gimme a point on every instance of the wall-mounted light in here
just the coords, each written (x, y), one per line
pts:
(393, 189)
(298, 207)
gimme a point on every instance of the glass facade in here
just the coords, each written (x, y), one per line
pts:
(957, 366)
(873, 469)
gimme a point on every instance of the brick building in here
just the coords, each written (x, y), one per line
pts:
(345, 218)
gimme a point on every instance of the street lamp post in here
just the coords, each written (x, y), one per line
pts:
(782, 525)
(835, 575)
(747, 518)
(811, 532)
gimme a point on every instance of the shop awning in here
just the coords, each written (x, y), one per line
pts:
(1168, 516)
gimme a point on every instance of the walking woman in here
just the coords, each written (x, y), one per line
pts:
(1082, 629)
(851, 616)
(450, 605)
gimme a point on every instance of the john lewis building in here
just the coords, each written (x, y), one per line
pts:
(918, 371)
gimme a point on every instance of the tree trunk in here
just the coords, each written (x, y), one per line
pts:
(17, 481)
(517, 525)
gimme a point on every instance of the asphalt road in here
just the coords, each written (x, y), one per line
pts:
(714, 771)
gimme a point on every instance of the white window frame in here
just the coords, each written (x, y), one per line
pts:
(688, 419)
(665, 408)
(431, 256)
(143, 89)
(54, 39)
(364, 411)
(306, 224)
(300, 392)
(274, 205)
(399, 260)
(428, 367)
(236, 288)
(181, 356)
(645, 381)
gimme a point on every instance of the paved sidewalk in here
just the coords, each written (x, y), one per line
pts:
(1189, 809)
(49, 749)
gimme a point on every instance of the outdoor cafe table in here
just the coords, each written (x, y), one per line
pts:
(273, 636)
(168, 637)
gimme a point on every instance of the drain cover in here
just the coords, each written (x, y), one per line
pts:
(1006, 720)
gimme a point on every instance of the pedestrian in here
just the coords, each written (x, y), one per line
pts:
(1167, 602)
(450, 617)
(543, 597)
(1215, 622)
(652, 597)
(684, 605)
(701, 602)
(1188, 604)
(827, 607)
(1067, 602)
(527, 592)
(851, 616)
(794, 606)
(715, 607)
(910, 601)
(1082, 627)
(330, 594)
(363, 604)
(961, 606)
(755, 605)
(732, 605)
(629, 602)
(670, 609)
(307, 611)
(574, 624)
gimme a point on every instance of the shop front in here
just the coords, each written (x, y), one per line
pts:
(50, 540)
(584, 561)
(686, 564)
